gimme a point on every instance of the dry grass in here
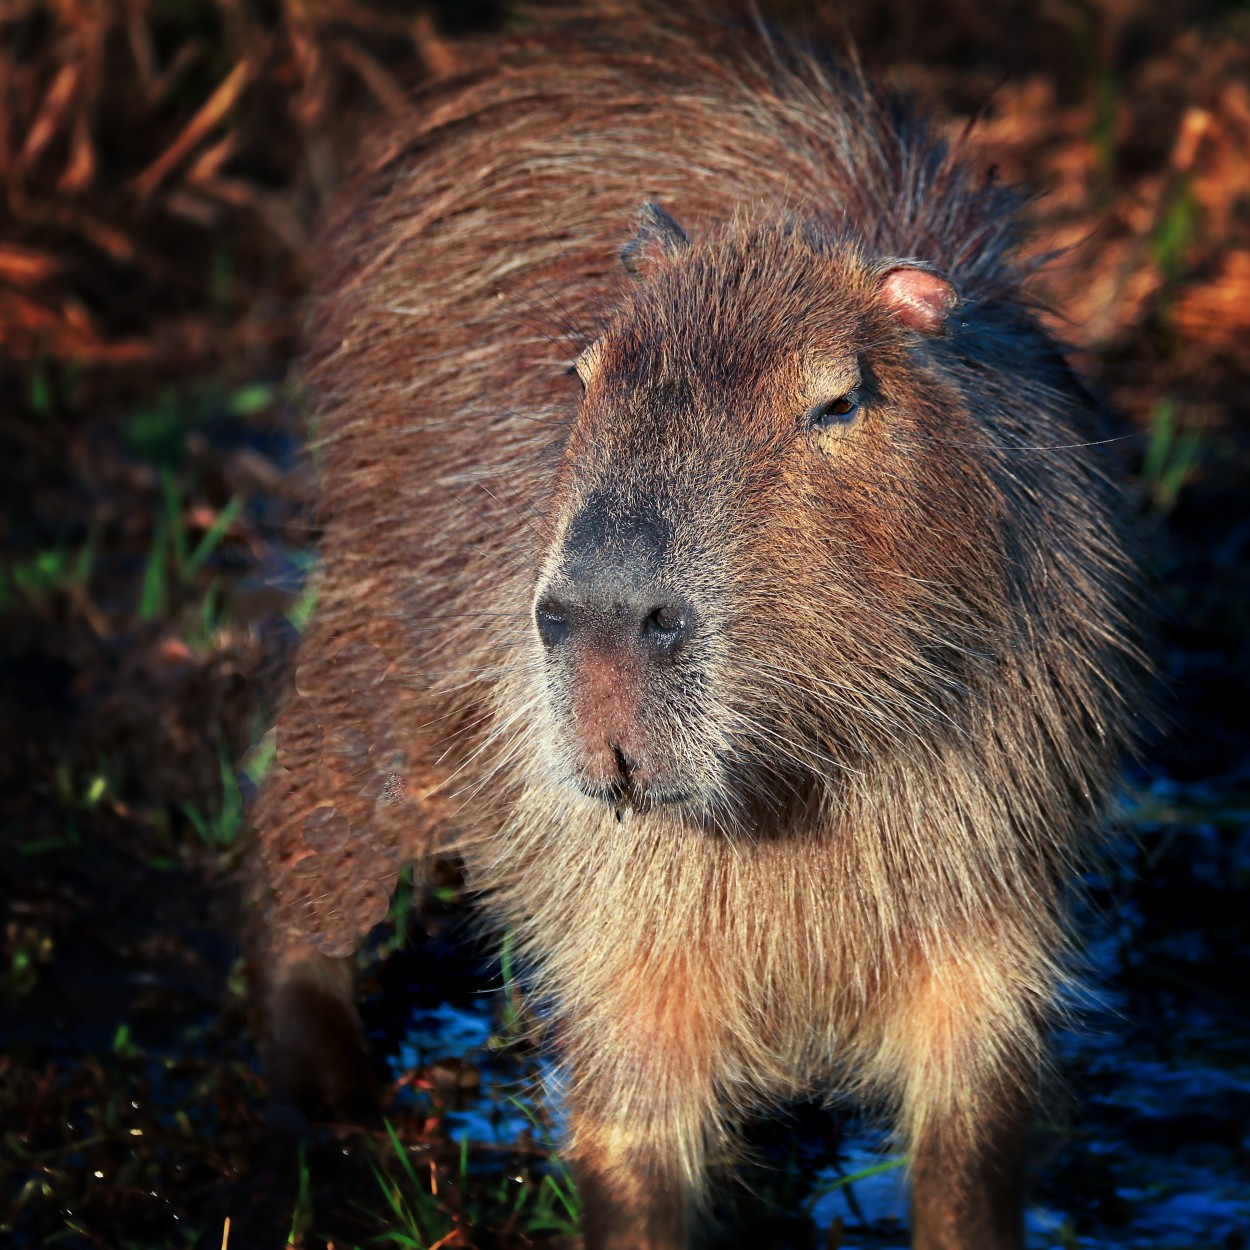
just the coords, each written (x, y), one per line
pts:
(161, 164)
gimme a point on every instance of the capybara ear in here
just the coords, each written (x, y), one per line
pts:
(918, 297)
(658, 236)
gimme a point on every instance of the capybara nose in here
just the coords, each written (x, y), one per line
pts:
(603, 612)
(613, 586)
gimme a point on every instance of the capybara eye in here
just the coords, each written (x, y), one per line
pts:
(840, 411)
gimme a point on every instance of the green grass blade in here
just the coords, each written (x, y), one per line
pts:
(173, 511)
(216, 532)
(401, 1153)
(876, 1169)
(153, 599)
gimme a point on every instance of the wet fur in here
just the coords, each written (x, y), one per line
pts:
(914, 671)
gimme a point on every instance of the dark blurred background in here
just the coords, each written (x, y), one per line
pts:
(162, 164)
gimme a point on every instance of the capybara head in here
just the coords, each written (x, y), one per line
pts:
(779, 551)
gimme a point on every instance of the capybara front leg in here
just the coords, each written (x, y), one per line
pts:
(967, 1194)
(631, 1199)
(646, 1066)
(964, 1042)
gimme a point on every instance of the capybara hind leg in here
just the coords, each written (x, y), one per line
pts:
(330, 825)
(314, 1051)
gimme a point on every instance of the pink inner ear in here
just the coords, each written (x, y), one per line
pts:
(920, 299)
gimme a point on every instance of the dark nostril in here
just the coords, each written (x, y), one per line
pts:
(668, 620)
(552, 618)
(667, 627)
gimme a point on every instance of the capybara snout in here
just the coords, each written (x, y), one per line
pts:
(622, 644)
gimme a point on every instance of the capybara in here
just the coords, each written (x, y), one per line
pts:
(721, 559)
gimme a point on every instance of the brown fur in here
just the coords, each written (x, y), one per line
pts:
(848, 806)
